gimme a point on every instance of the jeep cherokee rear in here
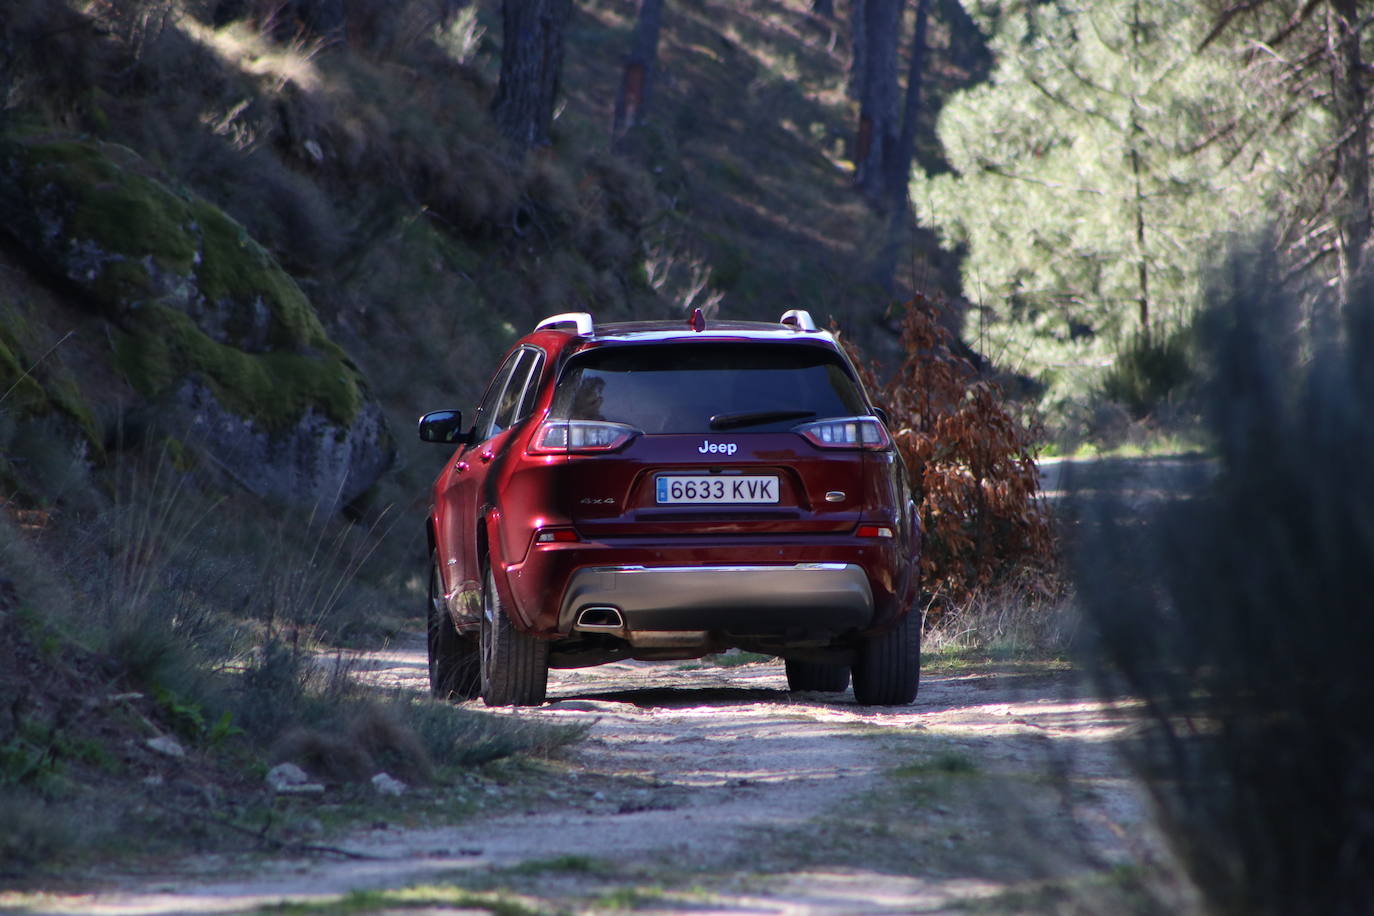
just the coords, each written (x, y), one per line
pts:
(663, 491)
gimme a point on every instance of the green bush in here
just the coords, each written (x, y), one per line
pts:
(1149, 370)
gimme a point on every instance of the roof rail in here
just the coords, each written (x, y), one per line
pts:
(799, 319)
(583, 320)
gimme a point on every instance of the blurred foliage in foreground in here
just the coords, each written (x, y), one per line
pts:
(1241, 615)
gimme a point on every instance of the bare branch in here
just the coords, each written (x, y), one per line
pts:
(1058, 100)
(1225, 18)
(1298, 19)
(1004, 173)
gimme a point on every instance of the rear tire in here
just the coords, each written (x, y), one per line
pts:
(887, 670)
(515, 665)
(817, 676)
(455, 670)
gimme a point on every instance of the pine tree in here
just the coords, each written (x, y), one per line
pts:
(1091, 173)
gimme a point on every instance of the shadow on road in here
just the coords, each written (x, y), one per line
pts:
(676, 697)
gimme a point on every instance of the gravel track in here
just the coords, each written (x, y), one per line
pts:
(724, 793)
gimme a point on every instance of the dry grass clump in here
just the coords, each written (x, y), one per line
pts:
(630, 198)
(48, 62)
(1028, 613)
(463, 738)
(372, 740)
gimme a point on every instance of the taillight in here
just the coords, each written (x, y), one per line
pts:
(559, 437)
(556, 536)
(874, 531)
(849, 432)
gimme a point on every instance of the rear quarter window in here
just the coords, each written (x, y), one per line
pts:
(678, 388)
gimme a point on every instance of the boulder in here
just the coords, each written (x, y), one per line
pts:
(207, 325)
(289, 779)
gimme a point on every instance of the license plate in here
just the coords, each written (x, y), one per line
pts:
(716, 489)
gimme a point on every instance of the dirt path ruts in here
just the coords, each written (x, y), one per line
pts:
(755, 800)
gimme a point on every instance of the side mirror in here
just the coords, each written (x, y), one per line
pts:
(444, 427)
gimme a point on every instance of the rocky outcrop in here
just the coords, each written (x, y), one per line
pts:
(205, 323)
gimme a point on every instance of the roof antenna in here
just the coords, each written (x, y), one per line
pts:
(698, 321)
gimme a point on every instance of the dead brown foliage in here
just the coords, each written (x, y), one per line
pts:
(968, 453)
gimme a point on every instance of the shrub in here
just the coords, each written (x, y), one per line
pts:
(36, 832)
(968, 454)
(1149, 370)
(1240, 616)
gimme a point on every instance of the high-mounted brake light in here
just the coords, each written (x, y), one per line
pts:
(559, 437)
(849, 432)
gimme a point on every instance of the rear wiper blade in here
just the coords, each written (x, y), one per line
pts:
(754, 417)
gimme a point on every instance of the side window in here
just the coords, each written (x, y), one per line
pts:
(531, 389)
(522, 381)
(511, 403)
(487, 411)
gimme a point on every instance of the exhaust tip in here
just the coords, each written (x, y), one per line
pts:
(600, 619)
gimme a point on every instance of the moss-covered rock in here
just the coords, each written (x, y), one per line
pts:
(19, 393)
(209, 326)
(29, 389)
(160, 346)
(96, 214)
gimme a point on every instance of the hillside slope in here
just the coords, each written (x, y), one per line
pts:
(370, 171)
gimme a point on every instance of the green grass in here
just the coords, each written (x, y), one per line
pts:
(1025, 659)
(427, 897)
(1157, 445)
(565, 864)
(941, 763)
(629, 898)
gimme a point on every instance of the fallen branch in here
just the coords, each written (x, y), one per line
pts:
(273, 843)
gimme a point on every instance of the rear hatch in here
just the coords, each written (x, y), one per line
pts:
(711, 438)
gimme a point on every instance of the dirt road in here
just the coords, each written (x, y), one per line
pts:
(713, 789)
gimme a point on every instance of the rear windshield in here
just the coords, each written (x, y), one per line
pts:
(681, 388)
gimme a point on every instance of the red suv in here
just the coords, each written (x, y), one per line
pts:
(657, 490)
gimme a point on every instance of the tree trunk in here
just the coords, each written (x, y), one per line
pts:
(897, 193)
(531, 65)
(1352, 155)
(898, 165)
(637, 80)
(876, 138)
(859, 42)
(1142, 263)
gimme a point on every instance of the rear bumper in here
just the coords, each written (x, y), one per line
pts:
(775, 586)
(801, 600)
